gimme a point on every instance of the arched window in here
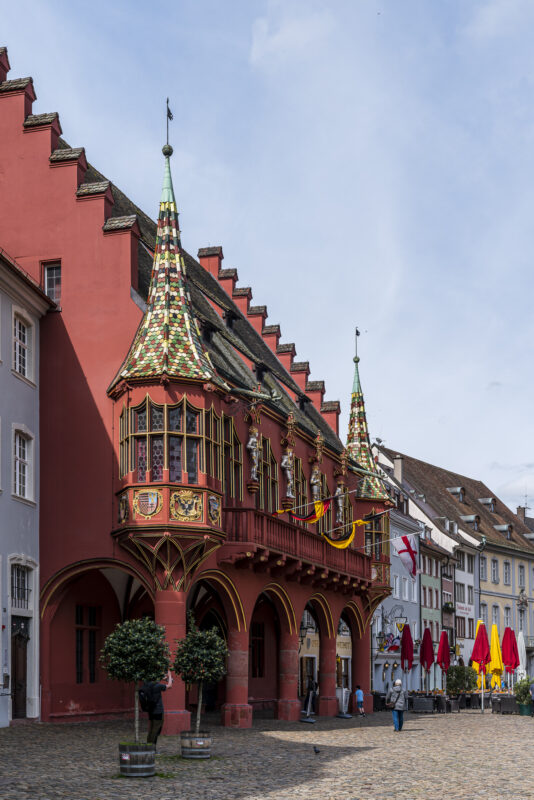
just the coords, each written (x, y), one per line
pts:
(233, 462)
(268, 494)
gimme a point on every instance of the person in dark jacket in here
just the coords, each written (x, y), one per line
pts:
(154, 690)
(396, 700)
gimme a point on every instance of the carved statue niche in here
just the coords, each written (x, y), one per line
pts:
(253, 447)
(315, 482)
(288, 465)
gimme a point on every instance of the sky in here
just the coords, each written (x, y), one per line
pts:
(362, 162)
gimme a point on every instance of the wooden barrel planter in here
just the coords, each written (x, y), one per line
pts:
(137, 760)
(195, 745)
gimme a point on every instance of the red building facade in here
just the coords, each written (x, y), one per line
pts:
(171, 433)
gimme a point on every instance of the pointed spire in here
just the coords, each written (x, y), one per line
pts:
(167, 342)
(358, 443)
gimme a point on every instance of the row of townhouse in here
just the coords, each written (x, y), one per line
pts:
(22, 304)
(475, 561)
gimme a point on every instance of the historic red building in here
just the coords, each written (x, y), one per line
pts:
(171, 430)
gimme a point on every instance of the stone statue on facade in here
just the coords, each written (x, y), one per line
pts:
(315, 482)
(253, 446)
(340, 504)
(288, 465)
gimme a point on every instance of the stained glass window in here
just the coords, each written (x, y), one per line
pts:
(175, 459)
(156, 418)
(156, 457)
(140, 451)
(175, 418)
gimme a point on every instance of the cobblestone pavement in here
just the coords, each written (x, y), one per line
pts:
(456, 756)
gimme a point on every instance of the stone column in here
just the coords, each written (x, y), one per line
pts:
(236, 712)
(170, 611)
(361, 670)
(288, 706)
(328, 705)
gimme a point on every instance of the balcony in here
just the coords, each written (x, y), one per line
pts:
(270, 543)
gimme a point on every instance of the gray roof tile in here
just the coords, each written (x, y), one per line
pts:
(34, 120)
(67, 154)
(119, 223)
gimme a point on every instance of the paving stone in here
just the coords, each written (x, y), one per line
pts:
(467, 756)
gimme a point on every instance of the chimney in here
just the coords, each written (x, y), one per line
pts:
(315, 391)
(330, 411)
(242, 297)
(286, 353)
(4, 64)
(299, 371)
(257, 316)
(271, 336)
(398, 468)
(521, 513)
(228, 279)
(211, 258)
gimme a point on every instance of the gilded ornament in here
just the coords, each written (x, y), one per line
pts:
(186, 505)
(147, 503)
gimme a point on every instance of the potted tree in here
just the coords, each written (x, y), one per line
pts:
(522, 695)
(136, 651)
(200, 658)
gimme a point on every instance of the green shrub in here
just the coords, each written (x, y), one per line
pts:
(461, 679)
(522, 691)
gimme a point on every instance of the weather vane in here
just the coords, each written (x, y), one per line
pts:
(169, 117)
(357, 332)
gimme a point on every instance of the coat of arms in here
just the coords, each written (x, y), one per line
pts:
(214, 509)
(146, 504)
(186, 505)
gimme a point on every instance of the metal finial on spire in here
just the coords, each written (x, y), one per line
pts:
(167, 149)
(357, 333)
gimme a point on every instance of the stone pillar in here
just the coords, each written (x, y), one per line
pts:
(170, 611)
(288, 706)
(361, 670)
(236, 712)
(328, 705)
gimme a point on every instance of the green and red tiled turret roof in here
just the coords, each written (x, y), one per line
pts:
(358, 444)
(168, 342)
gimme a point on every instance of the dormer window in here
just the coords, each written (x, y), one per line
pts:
(505, 529)
(489, 502)
(471, 519)
(458, 492)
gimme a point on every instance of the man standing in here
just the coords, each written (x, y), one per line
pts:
(153, 690)
(359, 700)
(396, 699)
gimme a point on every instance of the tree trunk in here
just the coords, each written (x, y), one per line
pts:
(199, 707)
(136, 713)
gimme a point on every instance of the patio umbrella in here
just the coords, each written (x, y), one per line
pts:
(426, 651)
(522, 652)
(481, 655)
(510, 656)
(443, 658)
(495, 665)
(475, 663)
(406, 648)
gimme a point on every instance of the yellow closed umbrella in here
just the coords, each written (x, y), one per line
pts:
(495, 667)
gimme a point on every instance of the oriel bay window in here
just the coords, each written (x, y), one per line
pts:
(377, 537)
(155, 437)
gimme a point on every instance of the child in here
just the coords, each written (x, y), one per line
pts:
(359, 700)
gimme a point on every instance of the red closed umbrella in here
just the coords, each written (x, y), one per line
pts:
(406, 649)
(444, 654)
(481, 649)
(426, 651)
(510, 655)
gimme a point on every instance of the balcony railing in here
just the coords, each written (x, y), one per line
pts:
(255, 527)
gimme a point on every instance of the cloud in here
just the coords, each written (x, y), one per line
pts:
(492, 385)
(291, 37)
(498, 18)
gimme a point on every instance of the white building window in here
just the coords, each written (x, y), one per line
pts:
(470, 563)
(494, 570)
(405, 595)
(495, 615)
(484, 613)
(507, 573)
(507, 617)
(20, 586)
(22, 464)
(22, 344)
(459, 592)
(521, 576)
(414, 592)
(521, 619)
(483, 568)
(470, 595)
(460, 559)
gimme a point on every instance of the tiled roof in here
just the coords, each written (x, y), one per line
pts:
(14, 85)
(95, 188)
(35, 120)
(210, 251)
(331, 405)
(119, 223)
(315, 386)
(358, 443)
(257, 310)
(66, 154)
(167, 342)
(228, 273)
(433, 482)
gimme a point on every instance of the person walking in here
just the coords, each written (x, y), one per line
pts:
(154, 690)
(359, 700)
(396, 699)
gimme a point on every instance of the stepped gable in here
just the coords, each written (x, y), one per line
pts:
(358, 443)
(433, 482)
(167, 342)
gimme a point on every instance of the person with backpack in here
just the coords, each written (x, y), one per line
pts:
(396, 700)
(152, 702)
